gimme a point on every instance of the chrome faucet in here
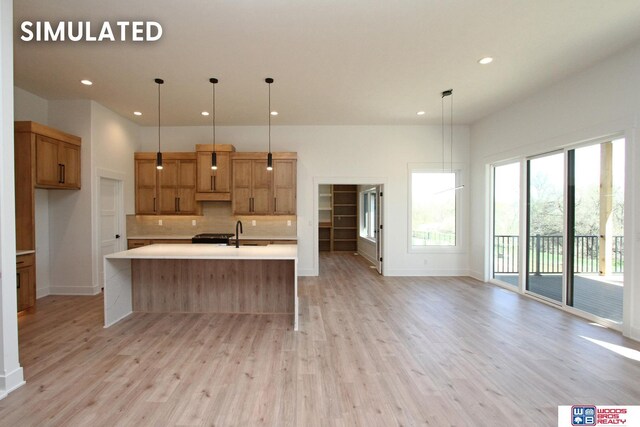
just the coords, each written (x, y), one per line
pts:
(238, 224)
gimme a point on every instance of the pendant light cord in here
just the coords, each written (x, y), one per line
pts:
(442, 131)
(451, 141)
(269, 115)
(213, 113)
(159, 118)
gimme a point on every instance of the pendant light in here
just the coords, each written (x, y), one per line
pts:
(214, 159)
(448, 93)
(159, 155)
(269, 80)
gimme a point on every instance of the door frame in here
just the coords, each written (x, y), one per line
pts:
(317, 181)
(119, 177)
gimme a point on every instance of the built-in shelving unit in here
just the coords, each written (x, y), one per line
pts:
(325, 217)
(345, 218)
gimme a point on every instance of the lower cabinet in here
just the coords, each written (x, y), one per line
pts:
(26, 281)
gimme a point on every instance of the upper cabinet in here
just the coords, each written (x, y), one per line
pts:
(44, 158)
(213, 185)
(170, 191)
(257, 191)
(56, 154)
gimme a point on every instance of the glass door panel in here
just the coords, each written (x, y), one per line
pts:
(545, 225)
(596, 218)
(506, 222)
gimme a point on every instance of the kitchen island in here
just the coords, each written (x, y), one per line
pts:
(201, 278)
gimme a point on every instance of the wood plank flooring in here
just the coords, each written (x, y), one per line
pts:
(371, 351)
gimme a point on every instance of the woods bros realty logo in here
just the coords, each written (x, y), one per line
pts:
(592, 415)
(46, 31)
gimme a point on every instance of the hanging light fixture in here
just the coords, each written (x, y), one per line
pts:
(159, 155)
(445, 94)
(214, 159)
(269, 80)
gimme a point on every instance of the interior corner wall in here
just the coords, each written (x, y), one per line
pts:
(378, 153)
(601, 101)
(71, 219)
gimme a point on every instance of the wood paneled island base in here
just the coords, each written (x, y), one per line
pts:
(213, 286)
(201, 278)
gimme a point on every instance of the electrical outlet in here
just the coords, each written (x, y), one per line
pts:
(193, 222)
(159, 222)
(288, 223)
(253, 222)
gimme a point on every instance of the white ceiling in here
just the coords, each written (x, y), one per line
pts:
(335, 62)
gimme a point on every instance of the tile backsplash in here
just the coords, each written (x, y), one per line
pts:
(216, 218)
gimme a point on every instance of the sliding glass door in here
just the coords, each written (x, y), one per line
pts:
(545, 225)
(596, 225)
(506, 223)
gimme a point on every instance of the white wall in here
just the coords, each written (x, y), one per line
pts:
(599, 102)
(378, 154)
(71, 222)
(29, 107)
(11, 375)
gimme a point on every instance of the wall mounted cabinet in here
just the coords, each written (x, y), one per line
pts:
(170, 191)
(257, 191)
(213, 185)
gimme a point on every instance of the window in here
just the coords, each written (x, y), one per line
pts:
(368, 214)
(433, 209)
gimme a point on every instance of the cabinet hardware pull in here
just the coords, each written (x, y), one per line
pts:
(60, 173)
(175, 204)
(212, 183)
(64, 173)
(18, 280)
(179, 204)
(275, 204)
(154, 204)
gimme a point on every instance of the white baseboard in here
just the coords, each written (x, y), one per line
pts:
(423, 272)
(74, 290)
(368, 258)
(11, 381)
(634, 334)
(306, 272)
(42, 292)
(477, 275)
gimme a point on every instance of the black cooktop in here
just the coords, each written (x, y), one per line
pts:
(216, 238)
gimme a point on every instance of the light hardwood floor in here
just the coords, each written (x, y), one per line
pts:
(371, 351)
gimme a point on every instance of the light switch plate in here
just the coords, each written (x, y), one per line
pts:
(288, 223)
(253, 222)
(159, 222)
(193, 222)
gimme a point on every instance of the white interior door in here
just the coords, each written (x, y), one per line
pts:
(379, 227)
(110, 228)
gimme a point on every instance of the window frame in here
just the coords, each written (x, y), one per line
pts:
(460, 240)
(371, 194)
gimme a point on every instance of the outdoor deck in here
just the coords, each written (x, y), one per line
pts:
(594, 294)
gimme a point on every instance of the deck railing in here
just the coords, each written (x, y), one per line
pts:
(546, 254)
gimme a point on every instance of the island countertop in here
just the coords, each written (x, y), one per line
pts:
(204, 251)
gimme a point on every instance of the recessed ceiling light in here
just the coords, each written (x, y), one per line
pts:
(86, 82)
(137, 113)
(205, 113)
(274, 113)
(420, 113)
(486, 60)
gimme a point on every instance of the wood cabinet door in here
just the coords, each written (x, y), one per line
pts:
(48, 169)
(204, 181)
(168, 184)
(284, 187)
(146, 195)
(241, 186)
(186, 187)
(213, 181)
(26, 291)
(69, 158)
(222, 176)
(261, 187)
